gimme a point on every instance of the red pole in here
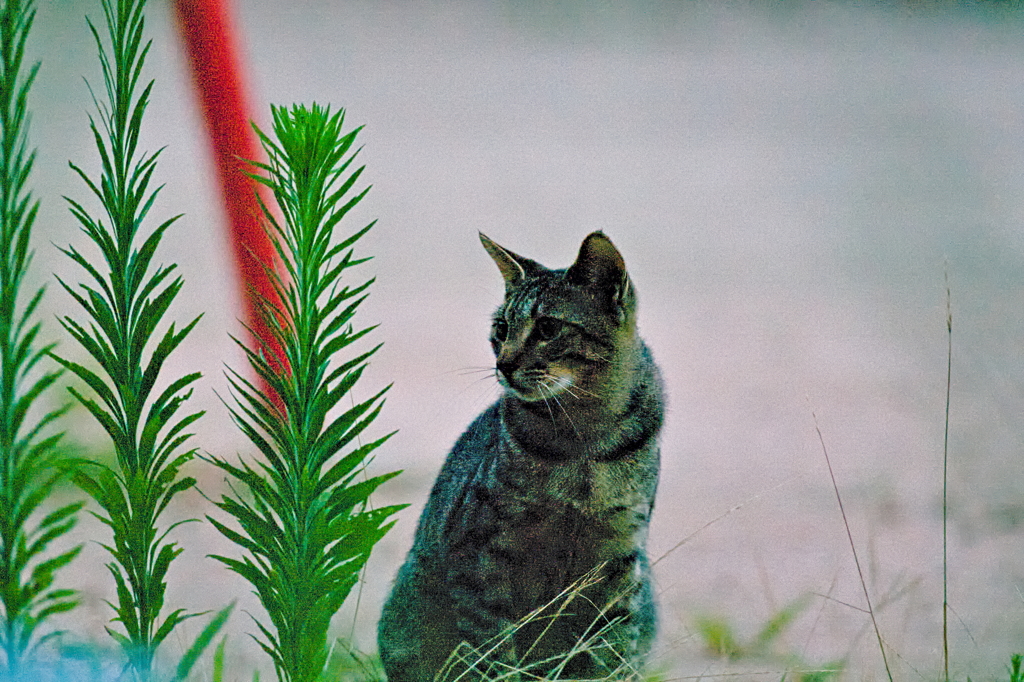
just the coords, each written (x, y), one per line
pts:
(208, 33)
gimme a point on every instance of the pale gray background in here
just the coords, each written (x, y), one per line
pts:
(788, 183)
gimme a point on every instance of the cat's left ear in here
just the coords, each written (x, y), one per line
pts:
(599, 264)
(514, 268)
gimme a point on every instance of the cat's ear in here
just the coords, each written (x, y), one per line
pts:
(599, 264)
(514, 268)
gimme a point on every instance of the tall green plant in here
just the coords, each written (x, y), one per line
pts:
(305, 525)
(30, 462)
(125, 301)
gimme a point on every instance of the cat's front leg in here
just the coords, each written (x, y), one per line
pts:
(483, 611)
(629, 614)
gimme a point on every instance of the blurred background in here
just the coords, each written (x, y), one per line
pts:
(790, 184)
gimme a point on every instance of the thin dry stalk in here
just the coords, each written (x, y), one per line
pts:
(480, 663)
(945, 487)
(721, 516)
(853, 547)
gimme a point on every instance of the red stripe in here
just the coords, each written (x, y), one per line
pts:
(209, 37)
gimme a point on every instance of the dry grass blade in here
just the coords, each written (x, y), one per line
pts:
(853, 547)
(945, 487)
(485, 662)
(718, 518)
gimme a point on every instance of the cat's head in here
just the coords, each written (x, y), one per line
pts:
(562, 334)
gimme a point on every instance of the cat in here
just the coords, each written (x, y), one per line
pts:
(552, 485)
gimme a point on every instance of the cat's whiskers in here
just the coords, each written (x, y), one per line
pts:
(463, 371)
(563, 384)
(598, 356)
(576, 391)
(484, 373)
(471, 388)
(481, 379)
(545, 390)
(467, 371)
(567, 385)
(568, 418)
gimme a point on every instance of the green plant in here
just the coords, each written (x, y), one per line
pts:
(1016, 674)
(721, 639)
(345, 664)
(30, 462)
(125, 303)
(719, 636)
(306, 524)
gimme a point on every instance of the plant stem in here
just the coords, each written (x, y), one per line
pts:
(945, 485)
(853, 548)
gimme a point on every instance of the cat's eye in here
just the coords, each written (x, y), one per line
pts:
(500, 330)
(547, 328)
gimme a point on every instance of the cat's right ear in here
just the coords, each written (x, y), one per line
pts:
(514, 268)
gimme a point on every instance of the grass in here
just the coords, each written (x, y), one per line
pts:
(488, 662)
(721, 639)
(1014, 669)
(945, 482)
(853, 550)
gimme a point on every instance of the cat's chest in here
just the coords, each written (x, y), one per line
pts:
(595, 510)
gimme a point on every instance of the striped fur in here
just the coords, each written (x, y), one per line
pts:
(552, 485)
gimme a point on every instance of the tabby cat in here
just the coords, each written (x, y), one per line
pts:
(552, 485)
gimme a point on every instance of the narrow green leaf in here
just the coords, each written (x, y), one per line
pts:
(92, 380)
(173, 620)
(196, 649)
(115, 430)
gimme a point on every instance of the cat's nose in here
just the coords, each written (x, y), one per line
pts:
(508, 361)
(507, 368)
